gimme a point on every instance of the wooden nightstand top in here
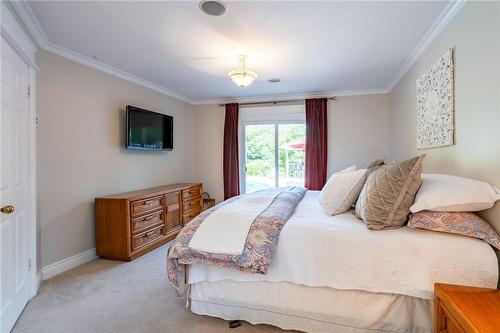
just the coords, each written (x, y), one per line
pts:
(476, 309)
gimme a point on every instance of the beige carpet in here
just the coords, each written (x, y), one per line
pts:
(111, 296)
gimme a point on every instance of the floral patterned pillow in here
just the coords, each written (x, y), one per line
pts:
(461, 223)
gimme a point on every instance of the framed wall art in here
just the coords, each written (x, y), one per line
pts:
(436, 104)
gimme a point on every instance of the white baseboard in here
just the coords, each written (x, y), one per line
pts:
(36, 283)
(39, 281)
(68, 263)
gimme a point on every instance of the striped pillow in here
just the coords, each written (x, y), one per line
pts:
(460, 223)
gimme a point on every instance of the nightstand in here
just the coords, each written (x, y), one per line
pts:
(461, 309)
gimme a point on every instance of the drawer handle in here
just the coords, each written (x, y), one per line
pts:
(148, 202)
(190, 191)
(191, 203)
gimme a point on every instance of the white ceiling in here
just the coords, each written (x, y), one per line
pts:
(310, 46)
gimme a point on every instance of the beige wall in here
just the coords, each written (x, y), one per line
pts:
(358, 133)
(209, 149)
(475, 35)
(358, 130)
(81, 151)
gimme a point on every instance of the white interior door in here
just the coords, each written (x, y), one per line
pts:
(14, 189)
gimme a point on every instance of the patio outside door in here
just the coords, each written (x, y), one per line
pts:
(273, 155)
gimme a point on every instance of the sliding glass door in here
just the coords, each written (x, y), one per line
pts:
(273, 155)
(259, 157)
(291, 145)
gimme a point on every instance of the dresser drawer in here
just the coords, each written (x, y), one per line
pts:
(191, 215)
(142, 223)
(174, 219)
(192, 205)
(448, 324)
(144, 206)
(172, 199)
(146, 237)
(192, 193)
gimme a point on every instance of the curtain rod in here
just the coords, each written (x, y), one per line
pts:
(334, 98)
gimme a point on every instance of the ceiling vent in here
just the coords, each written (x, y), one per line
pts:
(213, 7)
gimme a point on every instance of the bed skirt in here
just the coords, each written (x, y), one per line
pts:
(311, 309)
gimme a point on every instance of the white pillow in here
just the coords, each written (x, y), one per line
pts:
(349, 169)
(445, 193)
(342, 190)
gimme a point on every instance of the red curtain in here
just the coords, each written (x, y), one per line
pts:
(316, 143)
(231, 155)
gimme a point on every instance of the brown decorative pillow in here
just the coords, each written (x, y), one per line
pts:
(372, 166)
(388, 194)
(460, 223)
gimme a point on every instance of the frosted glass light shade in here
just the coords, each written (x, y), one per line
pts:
(242, 77)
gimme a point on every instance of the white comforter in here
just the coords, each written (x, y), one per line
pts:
(231, 223)
(340, 252)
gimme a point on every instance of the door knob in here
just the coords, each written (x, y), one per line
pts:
(7, 209)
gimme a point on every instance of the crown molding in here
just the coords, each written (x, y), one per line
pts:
(84, 60)
(30, 21)
(445, 17)
(292, 97)
(13, 33)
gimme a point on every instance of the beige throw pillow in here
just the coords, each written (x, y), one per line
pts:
(349, 169)
(341, 191)
(388, 193)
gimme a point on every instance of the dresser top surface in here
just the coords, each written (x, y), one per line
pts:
(479, 306)
(151, 191)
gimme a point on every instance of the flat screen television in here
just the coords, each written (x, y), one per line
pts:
(148, 130)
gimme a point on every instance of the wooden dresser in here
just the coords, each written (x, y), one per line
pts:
(131, 224)
(462, 309)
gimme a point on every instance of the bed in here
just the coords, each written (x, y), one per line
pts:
(332, 274)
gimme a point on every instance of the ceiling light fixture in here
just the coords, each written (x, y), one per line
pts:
(242, 76)
(274, 80)
(213, 7)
